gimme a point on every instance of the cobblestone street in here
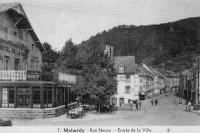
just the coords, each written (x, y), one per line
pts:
(167, 112)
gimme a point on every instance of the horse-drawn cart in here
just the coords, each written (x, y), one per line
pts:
(75, 110)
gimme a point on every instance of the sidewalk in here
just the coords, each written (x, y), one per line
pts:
(183, 105)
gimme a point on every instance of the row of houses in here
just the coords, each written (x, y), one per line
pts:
(135, 81)
(189, 85)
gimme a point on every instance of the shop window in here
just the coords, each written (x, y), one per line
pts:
(36, 98)
(48, 97)
(127, 89)
(60, 96)
(11, 97)
(5, 98)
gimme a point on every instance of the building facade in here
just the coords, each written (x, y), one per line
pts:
(159, 80)
(128, 82)
(23, 94)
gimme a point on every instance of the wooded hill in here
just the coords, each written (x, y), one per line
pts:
(171, 45)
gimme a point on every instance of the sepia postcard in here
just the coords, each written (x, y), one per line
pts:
(99, 66)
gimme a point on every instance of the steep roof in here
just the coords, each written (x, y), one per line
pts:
(16, 12)
(127, 61)
(142, 71)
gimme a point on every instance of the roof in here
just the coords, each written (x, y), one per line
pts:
(143, 71)
(127, 61)
(154, 71)
(16, 11)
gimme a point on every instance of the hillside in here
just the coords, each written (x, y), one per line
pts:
(171, 45)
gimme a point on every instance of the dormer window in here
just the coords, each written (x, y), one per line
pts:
(121, 68)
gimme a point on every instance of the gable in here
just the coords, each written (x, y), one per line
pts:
(19, 17)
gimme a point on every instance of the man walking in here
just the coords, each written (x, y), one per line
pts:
(156, 101)
(136, 104)
(152, 101)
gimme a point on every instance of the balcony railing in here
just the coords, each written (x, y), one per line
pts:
(16, 75)
(13, 75)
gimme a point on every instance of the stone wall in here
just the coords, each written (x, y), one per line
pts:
(25, 113)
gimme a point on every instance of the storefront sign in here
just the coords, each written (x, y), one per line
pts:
(33, 75)
(23, 91)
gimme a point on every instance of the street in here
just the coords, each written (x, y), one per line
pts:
(167, 112)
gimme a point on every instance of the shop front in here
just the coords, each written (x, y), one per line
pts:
(28, 96)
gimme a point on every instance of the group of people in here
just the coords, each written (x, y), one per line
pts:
(154, 101)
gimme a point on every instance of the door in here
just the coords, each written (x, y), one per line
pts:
(23, 101)
(121, 101)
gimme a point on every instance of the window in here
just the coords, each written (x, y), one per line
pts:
(32, 65)
(5, 29)
(15, 33)
(60, 96)
(6, 63)
(36, 98)
(48, 97)
(128, 78)
(37, 66)
(32, 46)
(11, 97)
(121, 68)
(21, 36)
(5, 98)
(17, 64)
(114, 101)
(127, 89)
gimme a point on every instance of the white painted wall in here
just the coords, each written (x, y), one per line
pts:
(133, 82)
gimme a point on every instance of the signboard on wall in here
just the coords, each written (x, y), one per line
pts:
(33, 75)
(23, 91)
(67, 78)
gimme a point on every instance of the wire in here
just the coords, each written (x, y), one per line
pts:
(87, 11)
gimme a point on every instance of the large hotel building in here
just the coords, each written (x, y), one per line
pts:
(22, 91)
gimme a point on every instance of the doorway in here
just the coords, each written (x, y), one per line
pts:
(121, 101)
(23, 101)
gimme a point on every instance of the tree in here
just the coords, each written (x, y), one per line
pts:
(68, 62)
(49, 59)
(96, 83)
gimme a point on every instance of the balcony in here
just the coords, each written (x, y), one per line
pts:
(16, 75)
(13, 75)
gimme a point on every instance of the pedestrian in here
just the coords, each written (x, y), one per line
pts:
(136, 104)
(189, 106)
(156, 101)
(140, 104)
(152, 101)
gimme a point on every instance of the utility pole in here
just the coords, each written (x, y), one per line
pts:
(198, 79)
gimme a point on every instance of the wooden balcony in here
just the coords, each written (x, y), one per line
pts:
(13, 75)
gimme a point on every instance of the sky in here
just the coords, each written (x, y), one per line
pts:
(56, 21)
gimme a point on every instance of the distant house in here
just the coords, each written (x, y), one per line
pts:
(146, 81)
(127, 81)
(159, 79)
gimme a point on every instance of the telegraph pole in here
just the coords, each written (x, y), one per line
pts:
(198, 79)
